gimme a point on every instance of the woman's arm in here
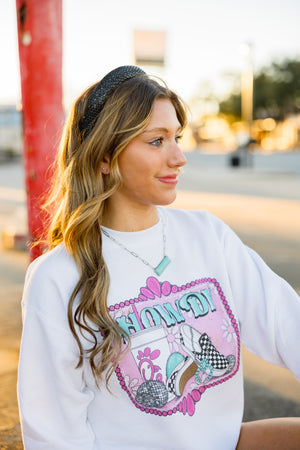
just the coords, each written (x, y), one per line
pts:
(53, 398)
(270, 434)
(268, 307)
(269, 315)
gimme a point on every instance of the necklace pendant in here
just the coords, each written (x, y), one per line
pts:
(162, 265)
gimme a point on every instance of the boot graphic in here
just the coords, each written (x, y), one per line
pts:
(199, 347)
(180, 375)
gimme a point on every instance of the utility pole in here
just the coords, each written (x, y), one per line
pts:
(40, 53)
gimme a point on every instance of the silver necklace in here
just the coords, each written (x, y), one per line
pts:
(163, 263)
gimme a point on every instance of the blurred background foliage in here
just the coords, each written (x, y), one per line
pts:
(276, 92)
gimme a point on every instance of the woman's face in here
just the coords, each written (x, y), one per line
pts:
(150, 164)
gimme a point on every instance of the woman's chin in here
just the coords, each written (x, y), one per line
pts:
(168, 200)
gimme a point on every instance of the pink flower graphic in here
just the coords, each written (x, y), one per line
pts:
(147, 368)
(229, 332)
(132, 384)
(173, 338)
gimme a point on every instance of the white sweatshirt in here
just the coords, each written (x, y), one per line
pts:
(181, 385)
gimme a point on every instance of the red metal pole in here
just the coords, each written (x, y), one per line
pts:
(40, 53)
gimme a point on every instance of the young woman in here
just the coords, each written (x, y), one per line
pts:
(133, 321)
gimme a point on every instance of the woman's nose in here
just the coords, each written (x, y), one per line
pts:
(176, 157)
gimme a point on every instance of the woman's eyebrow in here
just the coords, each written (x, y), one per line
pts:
(160, 129)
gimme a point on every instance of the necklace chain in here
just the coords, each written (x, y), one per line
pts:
(163, 263)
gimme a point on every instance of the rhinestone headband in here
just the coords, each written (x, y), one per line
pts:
(104, 88)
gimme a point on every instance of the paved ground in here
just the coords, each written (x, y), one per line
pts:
(261, 203)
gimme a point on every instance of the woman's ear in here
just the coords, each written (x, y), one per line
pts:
(105, 165)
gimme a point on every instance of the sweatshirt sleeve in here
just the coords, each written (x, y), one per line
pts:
(268, 307)
(52, 394)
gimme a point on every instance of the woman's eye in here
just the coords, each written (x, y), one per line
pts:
(178, 138)
(157, 142)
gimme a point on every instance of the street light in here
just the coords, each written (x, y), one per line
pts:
(247, 87)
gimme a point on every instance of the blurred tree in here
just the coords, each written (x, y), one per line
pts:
(276, 92)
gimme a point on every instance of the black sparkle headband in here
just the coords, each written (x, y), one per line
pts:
(102, 91)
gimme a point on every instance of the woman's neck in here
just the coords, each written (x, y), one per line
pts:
(131, 219)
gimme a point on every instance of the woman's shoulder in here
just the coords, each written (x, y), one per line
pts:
(196, 221)
(54, 260)
(50, 280)
(189, 216)
(55, 266)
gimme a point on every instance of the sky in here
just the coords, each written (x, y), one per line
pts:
(204, 40)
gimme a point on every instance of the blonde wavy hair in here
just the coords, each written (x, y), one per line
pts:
(78, 198)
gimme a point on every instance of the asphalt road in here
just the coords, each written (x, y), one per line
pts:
(261, 203)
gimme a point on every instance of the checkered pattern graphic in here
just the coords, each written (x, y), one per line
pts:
(171, 382)
(209, 352)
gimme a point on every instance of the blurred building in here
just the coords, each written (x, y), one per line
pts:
(10, 130)
(149, 47)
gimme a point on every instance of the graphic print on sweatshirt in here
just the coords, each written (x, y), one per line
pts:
(184, 340)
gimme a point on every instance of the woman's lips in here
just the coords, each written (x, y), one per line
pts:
(169, 179)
